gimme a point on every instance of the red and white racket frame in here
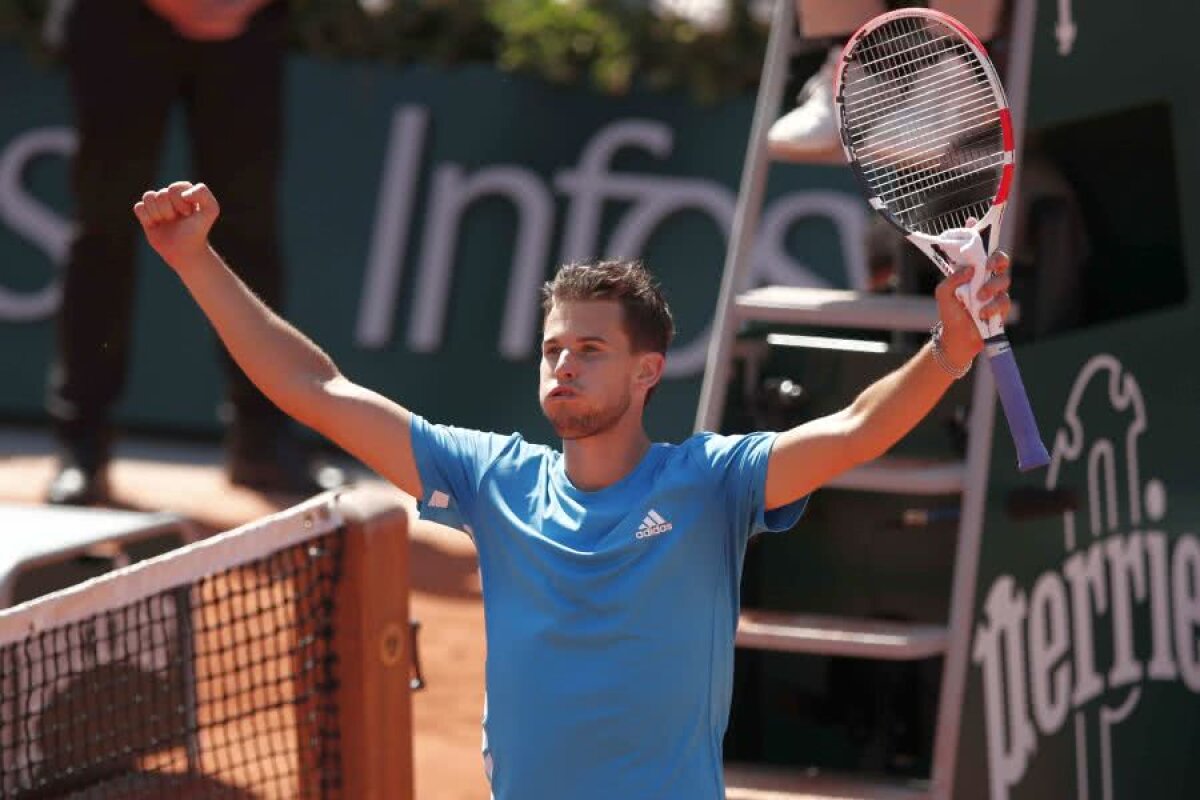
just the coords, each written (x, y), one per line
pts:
(972, 246)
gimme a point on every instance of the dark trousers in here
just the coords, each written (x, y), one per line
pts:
(127, 69)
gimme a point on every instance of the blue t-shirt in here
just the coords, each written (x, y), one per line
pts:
(610, 615)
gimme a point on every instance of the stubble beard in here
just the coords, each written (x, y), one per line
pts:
(569, 425)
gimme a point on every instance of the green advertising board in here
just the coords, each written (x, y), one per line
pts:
(1084, 661)
(422, 210)
(1084, 668)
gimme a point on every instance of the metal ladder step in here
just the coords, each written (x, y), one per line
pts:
(842, 308)
(904, 475)
(759, 782)
(795, 305)
(853, 637)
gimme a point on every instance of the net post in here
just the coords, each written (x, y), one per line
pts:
(374, 700)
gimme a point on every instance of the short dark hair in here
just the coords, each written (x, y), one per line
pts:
(648, 321)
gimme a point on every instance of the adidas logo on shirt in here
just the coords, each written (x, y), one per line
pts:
(652, 525)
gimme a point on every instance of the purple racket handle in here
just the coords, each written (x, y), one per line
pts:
(1031, 453)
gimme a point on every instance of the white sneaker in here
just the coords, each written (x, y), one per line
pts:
(809, 131)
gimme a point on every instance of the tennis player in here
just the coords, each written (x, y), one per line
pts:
(610, 568)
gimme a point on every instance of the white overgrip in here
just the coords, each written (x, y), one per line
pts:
(965, 248)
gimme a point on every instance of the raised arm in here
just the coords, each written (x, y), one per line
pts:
(283, 363)
(808, 456)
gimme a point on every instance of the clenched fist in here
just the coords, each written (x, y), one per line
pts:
(177, 220)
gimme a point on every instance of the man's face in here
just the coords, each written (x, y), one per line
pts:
(589, 376)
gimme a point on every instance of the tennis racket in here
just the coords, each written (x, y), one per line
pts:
(926, 128)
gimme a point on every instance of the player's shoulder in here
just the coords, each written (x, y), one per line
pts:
(517, 447)
(514, 447)
(717, 456)
(482, 445)
(715, 451)
(708, 445)
(700, 445)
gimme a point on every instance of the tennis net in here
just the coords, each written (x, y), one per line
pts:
(211, 671)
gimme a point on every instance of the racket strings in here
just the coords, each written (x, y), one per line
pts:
(888, 100)
(889, 71)
(873, 65)
(879, 56)
(960, 97)
(915, 158)
(922, 204)
(957, 218)
(961, 192)
(922, 122)
(884, 152)
(901, 190)
(929, 211)
(929, 98)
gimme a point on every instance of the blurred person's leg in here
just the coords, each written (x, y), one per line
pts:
(234, 104)
(235, 116)
(122, 79)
